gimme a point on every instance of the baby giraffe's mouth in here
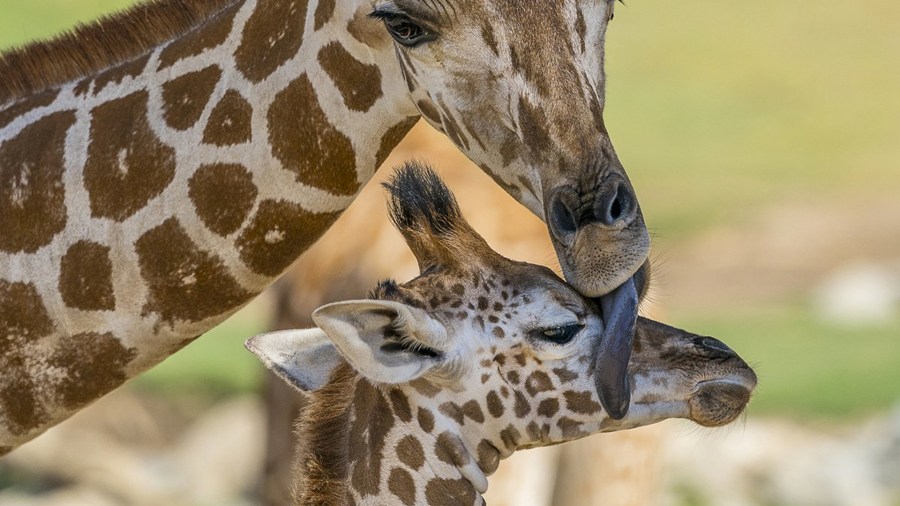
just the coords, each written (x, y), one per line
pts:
(718, 402)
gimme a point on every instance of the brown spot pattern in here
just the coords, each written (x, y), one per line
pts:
(117, 74)
(271, 37)
(548, 407)
(533, 122)
(401, 484)
(185, 283)
(425, 419)
(230, 121)
(207, 36)
(453, 411)
(449, 448)
(307, 144)
(510, 437)
(32, 193)
(25, 106)
(324, 11)
(359, 83)
(127, 164)
(85, 277)
(522, 406)
(472, 409)
(488, 457)
(538, 382)
(494, 405)
(581, 403)
(410, 452)
(570, 428)
(446, 492)
(23, 316)
(422, 385)
(23, 320)
(185, 97)
(94, 363)
(278, 234)
(372, 423)
(392, 137)
(401, 405)
(565, 375)
(20, 407)
(223, 195)
(430, 112)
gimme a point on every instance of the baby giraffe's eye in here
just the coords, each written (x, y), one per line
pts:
(561, 335)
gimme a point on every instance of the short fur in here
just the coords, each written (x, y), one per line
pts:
(95, 46)
(323, 431)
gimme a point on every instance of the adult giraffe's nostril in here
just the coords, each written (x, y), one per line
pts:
(561, 216)
(616, 204)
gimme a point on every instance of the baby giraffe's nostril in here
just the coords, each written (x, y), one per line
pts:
(714, 347)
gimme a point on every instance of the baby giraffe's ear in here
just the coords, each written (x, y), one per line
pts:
(387, 342)
(303, 358)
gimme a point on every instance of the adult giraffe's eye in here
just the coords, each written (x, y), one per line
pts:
(406, 32)
(403, 29)
(561, 335)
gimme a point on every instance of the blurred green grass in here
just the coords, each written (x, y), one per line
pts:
(25, 20)
(216, 365)
(717, 109)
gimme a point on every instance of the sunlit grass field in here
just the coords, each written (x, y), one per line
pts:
(717, 109)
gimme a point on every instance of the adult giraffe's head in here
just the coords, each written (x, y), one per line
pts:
(519, 86)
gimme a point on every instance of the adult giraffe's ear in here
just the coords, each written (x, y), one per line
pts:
(303, 358)
(387, 342)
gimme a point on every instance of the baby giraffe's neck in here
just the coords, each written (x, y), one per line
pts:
(364, 445)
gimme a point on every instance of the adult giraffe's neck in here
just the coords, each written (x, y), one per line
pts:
(143, 204)
(371, 446)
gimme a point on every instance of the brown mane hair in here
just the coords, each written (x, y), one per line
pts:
(323, 431)
(101, 44)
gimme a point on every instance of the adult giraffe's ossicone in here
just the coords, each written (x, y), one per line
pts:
(160, 168)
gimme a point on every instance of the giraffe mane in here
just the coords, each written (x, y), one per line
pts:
(98, 45)
(323, 429)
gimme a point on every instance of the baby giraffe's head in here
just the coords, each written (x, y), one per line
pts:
(495, 355)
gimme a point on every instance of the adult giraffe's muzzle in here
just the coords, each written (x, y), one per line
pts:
(598, 230)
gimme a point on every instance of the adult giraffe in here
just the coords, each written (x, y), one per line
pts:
(160, 168)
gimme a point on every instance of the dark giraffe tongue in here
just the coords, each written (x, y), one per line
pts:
(611, 372)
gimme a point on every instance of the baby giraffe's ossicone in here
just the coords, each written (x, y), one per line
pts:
(418, 393)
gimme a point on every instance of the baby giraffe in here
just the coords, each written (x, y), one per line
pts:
(417, 394)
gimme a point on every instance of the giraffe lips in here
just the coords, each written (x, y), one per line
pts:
(611, 369)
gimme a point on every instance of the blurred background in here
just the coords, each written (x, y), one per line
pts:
(764, 143)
